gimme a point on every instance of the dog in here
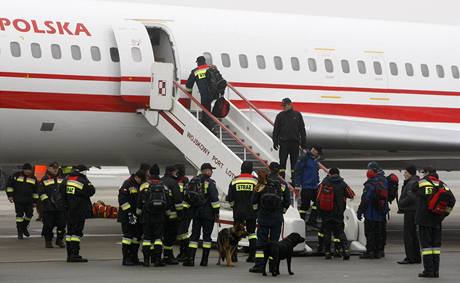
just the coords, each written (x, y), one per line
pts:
(279, 251)
(227, 242)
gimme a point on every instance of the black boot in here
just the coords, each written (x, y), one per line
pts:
(49, 244)
(126, 252)
(68, 246)
(169, 258)
(19, 228)
(75, 253)
(252, 250)
(320, 248)
(204, 257)
(327, 255)
(182, 256)
(135, 254)
(157, 251)
(436, 262)
(190, 261)
(146, 252)
(345, 250)
(25, 226)
(60, 239)
(428, 266)
(258, 266)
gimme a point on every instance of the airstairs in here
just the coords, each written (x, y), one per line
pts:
(237, 139)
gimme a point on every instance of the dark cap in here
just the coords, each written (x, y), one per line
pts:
(53, 165)
(201, 60)
(374, 166)
(274, 166)
(144, 167)
(170, 169)
(247, 167)
(140, 174)
(411, 169)
(429, 170)
(27, 166)
(81, 168)
(207, 166)
(334, 171)
(286, 100)
(154, 170)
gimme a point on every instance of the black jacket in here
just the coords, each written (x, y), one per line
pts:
(77, 191)
(144, 193)
(289, 127)
(423, 192)
(50, 194)
(341, 192)
(22, 189)
(275, 217)
(212, 206)
(407, 200)
(239, 196)
(175, 198)
(200, 77)
(127, 199)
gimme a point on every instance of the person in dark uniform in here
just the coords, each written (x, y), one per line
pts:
(187, 215)
(406, 206)
(205, 216)
(239, 196)
(332, 220)
(53, 206)
(288, 134)
(21, 190)
(174, 213)
(128, 217)
(271, 200)
(429, 224)
(199, 76)
(77, 191)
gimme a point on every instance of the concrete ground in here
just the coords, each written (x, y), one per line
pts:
(29, 261)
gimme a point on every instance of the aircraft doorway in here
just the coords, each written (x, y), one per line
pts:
(162, 46)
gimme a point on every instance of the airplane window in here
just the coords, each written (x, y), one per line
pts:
(425, 70)
(329, 66)
(95, 53)
(455, 72)
(243, 61)
(345, 66)
(361, 67)
(136, 54)
(208, 57)
(278, 62)
(295, 63)
(15, 49)
(225, 60)
(76, 52)
(393, 69)
(377, 68)
(409, 69)
(260, 62)
(114, 55)
(312, 64)
(440, 71)
(36, 50)
(56, 51)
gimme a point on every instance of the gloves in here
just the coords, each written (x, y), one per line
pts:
(132, 218)
(275, 146)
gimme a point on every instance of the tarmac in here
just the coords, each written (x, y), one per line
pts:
(29, 261)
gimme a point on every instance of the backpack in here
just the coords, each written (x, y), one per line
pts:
(393, 186)
(380, 196)
(442, 201)
(156, 199)
(271, 198)
(326, 197)
(216, 83)
(221, 108)
(194, 194)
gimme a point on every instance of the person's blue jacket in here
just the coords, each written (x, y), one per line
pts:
(307, 172)
(367, 207)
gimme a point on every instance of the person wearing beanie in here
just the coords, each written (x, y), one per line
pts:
(240, 192)
(406, 206)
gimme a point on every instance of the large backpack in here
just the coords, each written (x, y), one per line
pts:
(442, 201)
(393, 186)
(195, 194)
(156, 202)
(271, 197)
(221, 108)
(216, 83)
(380, 196)
(326, 197)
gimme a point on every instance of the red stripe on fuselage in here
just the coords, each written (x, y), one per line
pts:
(74, 77)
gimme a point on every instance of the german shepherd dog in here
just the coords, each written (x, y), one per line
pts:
(227, 242)
(279, 251)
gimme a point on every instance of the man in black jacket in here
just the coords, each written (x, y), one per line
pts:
(406, 206)
(288, 134)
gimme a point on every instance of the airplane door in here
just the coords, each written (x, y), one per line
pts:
(161, 96)
(136, 57)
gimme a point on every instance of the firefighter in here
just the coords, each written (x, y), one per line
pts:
(127, 216)
(206, 205)
(187, 215)
(429, 223)
(288, 134)
(239, 196)
(406, 206)
(374, 207)
(53, 206)
(77, 191)
(332, 196)
(271, 200)
(174, 213)
(21, 190)
(66, 170)
(152, 206)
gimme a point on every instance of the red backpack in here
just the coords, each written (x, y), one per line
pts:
(221, 108)
(442, 201)
(381, 196)
(326, 198)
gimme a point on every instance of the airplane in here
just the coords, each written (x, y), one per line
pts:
(71, 85)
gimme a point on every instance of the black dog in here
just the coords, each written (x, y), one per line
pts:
(279, 251)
